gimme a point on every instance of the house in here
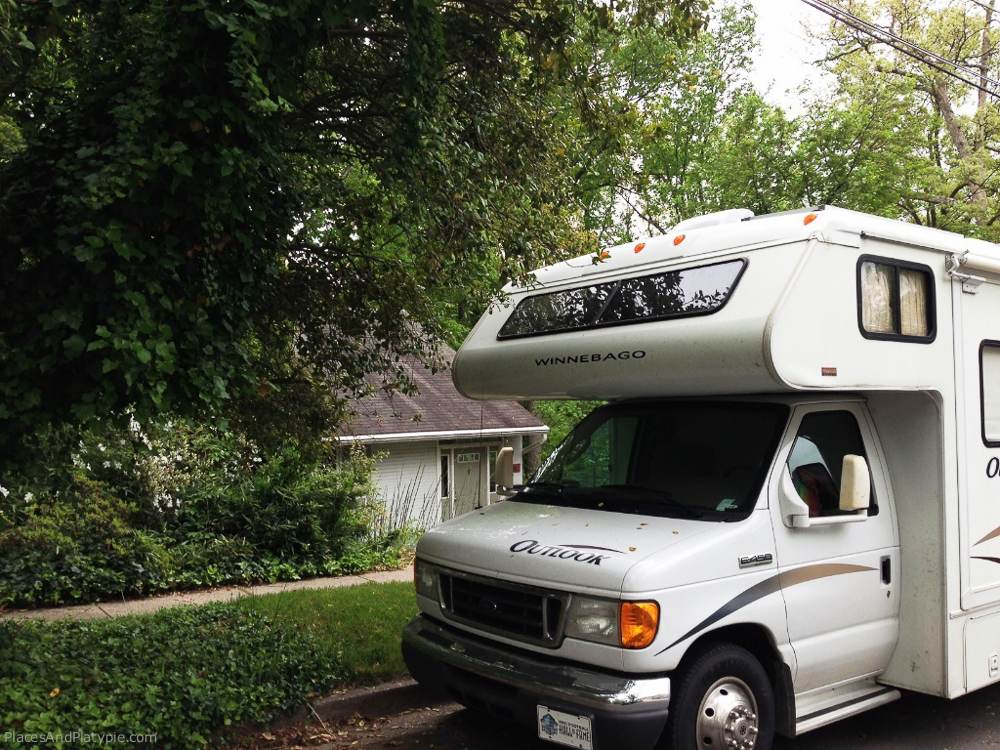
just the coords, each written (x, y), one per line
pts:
(435, 451)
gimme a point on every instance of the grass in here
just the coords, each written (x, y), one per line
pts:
(360, 624)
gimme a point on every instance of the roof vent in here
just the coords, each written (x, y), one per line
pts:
(731, 216)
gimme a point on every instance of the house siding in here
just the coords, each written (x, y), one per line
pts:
(408, 481)
(412, 435)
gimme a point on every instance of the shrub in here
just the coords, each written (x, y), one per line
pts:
(133, 512)
(285, 507)
(79, 547)
(180, 675)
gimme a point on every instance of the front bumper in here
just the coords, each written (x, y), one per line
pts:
(625, 711)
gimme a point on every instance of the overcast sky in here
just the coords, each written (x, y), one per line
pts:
(785, 52)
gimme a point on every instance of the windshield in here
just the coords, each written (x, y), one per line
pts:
(685, 459)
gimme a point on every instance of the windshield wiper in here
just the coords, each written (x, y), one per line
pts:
(556, 486)
(549, 488)
(536, 491)
(661, 495)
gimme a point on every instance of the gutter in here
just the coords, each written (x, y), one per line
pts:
(399, 437)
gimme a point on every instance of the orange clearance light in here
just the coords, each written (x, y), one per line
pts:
(639, 622)
(678, 239)
(639, 247)
(810, 218)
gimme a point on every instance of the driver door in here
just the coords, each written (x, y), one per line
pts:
(839, 570)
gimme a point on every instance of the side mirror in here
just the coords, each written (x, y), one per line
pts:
(854, 499)
(504, 471)
(794, 511)
(855, 485)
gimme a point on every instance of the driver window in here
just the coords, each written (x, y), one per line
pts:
(816, 461)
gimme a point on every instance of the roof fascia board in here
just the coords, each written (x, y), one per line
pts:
(401, 437)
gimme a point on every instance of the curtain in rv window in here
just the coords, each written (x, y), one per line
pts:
(913, 318)
(877, 293)
(895, 299)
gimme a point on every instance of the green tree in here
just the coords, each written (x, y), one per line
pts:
(217, 204)
(696, 137)
(684, 137)
(705, 140)
(561, 417)
(851, 152)
(945, 129)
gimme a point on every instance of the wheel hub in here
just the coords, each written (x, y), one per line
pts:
(728, 717)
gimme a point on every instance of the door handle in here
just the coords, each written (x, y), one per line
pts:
(886, 570)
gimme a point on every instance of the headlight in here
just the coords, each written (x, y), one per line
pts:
(425, 580)
(593, 620)
(631, 625)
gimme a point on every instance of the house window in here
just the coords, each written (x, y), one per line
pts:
(989, 373)
(896, 300)
(445, 488)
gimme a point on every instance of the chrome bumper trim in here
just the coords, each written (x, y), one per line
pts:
(574, 684)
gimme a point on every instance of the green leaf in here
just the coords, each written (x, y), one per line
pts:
(75, 345)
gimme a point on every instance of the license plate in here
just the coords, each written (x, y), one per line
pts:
(564, 728)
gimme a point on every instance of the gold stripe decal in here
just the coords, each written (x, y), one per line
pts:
(812, 572)
(992, 535)
(769, 586)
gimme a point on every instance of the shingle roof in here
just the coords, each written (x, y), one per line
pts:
(437, 411)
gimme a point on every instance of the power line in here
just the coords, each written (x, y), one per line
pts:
(912, 50)
(981, 4)
(905, 47)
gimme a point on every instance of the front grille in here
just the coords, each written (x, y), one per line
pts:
(520, 612)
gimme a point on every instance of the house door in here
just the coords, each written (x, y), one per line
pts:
(471, 475)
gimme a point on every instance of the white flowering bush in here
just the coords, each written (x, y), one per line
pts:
(131, 511)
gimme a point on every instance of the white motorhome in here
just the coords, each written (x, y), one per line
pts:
(787, 512)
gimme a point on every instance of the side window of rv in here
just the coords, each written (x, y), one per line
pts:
(817, 458)
(895, 300)
(685, 292)
(989, 373)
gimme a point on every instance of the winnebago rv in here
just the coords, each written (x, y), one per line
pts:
(787, 512)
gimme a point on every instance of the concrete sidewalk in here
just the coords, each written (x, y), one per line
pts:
(154, 604)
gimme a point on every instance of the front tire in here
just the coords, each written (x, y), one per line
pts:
(723, 701)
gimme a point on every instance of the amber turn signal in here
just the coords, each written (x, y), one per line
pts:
(639, 622)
